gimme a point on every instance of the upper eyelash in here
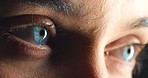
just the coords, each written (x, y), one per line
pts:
(14, 26)
(11, 29)
(28, 25)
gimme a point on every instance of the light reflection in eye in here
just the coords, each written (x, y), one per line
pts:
(36, 31)
(126, 53)
(40, 35)
(37, 34)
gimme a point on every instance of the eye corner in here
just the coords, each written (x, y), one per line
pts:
(124, 49)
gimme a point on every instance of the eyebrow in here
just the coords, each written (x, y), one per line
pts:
(62, 6)
(139, 22)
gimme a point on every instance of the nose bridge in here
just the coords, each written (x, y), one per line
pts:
(94, 50)
(90, 58)
(97, 42)
(98, 59)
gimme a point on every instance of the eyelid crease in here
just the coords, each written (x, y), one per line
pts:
(9, 30)
(140, 45)
(25, 21)
(30, 25)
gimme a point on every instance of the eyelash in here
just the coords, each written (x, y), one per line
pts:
(24, 26)
(11, 38)
(114, 51)
(40, 22)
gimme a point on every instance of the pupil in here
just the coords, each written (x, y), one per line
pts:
(128, 51)
(42, 32)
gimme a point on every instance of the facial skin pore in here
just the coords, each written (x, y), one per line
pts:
(92, 27)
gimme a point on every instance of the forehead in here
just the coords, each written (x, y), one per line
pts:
(114, 12)
(89, 17)
(103, 10)
(86, 7)
(108, 10)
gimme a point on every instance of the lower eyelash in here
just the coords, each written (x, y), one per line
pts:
(23, 48)
(111, 60)
(10, 40)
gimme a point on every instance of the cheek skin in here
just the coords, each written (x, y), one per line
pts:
(118, 68)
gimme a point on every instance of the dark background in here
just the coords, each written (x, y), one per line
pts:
(143, 73)
(143, 61)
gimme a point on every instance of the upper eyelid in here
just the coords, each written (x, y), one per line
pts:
(8, 24)
(25, 19)
(4, 30)
(137, 44)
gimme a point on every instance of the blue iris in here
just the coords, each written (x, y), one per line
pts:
(128, 53)
(40, 35)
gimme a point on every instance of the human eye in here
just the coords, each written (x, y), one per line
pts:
(127, 53)
(123, 52)
(29, 34)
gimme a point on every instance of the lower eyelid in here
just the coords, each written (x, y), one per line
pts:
(116, 62)
(117, 55)
(28, 50)
(115, 66)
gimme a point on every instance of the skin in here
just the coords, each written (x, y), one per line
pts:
(98, 26)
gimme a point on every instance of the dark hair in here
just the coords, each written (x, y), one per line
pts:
(141, 67)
